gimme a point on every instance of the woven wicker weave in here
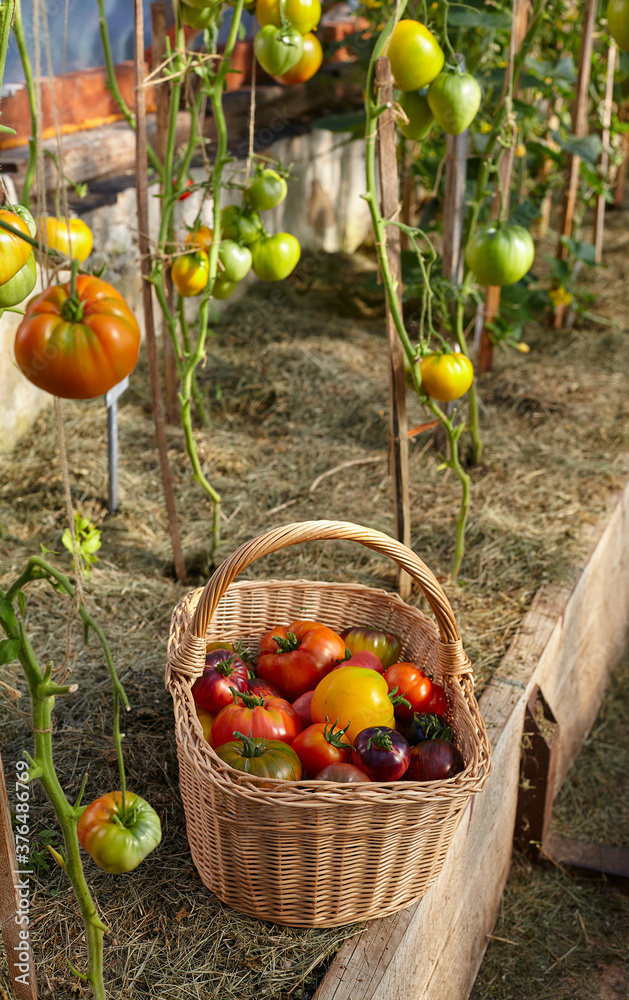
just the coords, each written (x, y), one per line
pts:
(308, 853)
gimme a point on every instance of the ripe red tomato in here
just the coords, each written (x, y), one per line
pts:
(437, 703)
(363, 659)
(302, 707)
(412, 684)
(446, 376)
(343, 773)
(434, 760)
(321, 744)
(223, 671)
(308, 65)
(77, 348)
(274, 718)
(381, 753)
(257, 686)
(297, 656)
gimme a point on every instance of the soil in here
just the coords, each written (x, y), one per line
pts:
(296, 385)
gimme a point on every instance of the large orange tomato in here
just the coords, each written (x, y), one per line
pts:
(77, 347)
(14, 252)
(69, 236)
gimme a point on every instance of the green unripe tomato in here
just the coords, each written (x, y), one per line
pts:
(454, 99)
(223, 289)
(274, 257)
(240, 224)
(198, 17)
(267, 190)
(420, 117)
(500, 254)
(415, 55)
(17, 288)
(618, 22)
(236, 260)
(278, 49)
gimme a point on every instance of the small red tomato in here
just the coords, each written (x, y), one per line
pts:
(363, 659)
(345, 773)
(434, 760)
(185, 194)
(409, 681)
(223, 671)
(382, 753)
(319, 745)
(302, 707)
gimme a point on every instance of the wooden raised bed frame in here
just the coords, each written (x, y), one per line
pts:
(569, 642)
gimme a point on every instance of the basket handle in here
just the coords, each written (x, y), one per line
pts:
(189, 656)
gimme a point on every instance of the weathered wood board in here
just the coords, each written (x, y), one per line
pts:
(569, 642)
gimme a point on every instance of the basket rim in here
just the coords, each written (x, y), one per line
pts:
(239, 782)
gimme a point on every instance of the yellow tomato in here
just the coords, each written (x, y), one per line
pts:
(14, 252)
(303, 15)
(202, 238)
(357, 697)
(206, 719)
(77, 244)
(446, 376)
(415, 55)
(190, 273)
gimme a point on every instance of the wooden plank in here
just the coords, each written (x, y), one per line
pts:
(579, 129)
(398, 427)
(568, 643)
(147, 296)
(162, 91)
(606, 119)
(14, 927)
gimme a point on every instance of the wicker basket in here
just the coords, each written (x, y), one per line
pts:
(309, 853)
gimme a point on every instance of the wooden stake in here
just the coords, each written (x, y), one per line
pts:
(15, 943)
(162, 101)
(147, 297)
(398, 428)
(408, 189)
(579, 129)
(599, 212)
(492, 294)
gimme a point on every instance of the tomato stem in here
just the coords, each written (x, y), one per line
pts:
(251, 746)
(286, 644)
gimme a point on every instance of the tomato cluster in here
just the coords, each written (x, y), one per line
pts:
(323, 705)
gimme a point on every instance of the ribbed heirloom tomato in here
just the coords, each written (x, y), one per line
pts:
(261, 757)
(77, 347)
(274, 718)
(297, 656)
(415, 55)
(118, 841)
(446, 376)
(385, 645)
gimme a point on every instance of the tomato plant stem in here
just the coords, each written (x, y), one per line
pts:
(6, 16)
(43, 691)
(31, 167)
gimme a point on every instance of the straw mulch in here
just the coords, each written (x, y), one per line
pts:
(296, 383)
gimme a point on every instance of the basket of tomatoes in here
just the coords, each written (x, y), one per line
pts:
(328, 735)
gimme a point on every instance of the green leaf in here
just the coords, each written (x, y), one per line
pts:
(460, 16)
(7, 614)
(9, 650)
(524, 214)
(589, 148)
(582, 251)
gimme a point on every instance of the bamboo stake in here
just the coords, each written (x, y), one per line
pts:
(606, 119)
(579, 128)
(147, 298)
(15, 944)
(398, 428)
(158, 49)
(492, 294)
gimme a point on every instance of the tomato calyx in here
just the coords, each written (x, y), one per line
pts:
(248, 700)
(335, 739)
(397, 699)
(252, 746)
(286, 644)
(72, 309)
(382, 740)
(226, 667)
(432, 727)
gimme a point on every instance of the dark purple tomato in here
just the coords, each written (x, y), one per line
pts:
(223, 670)
(342, 772)
(434, 760)
(265, 689)
(386, 646)
(424, 726)
(302, 707)
(381, 753)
